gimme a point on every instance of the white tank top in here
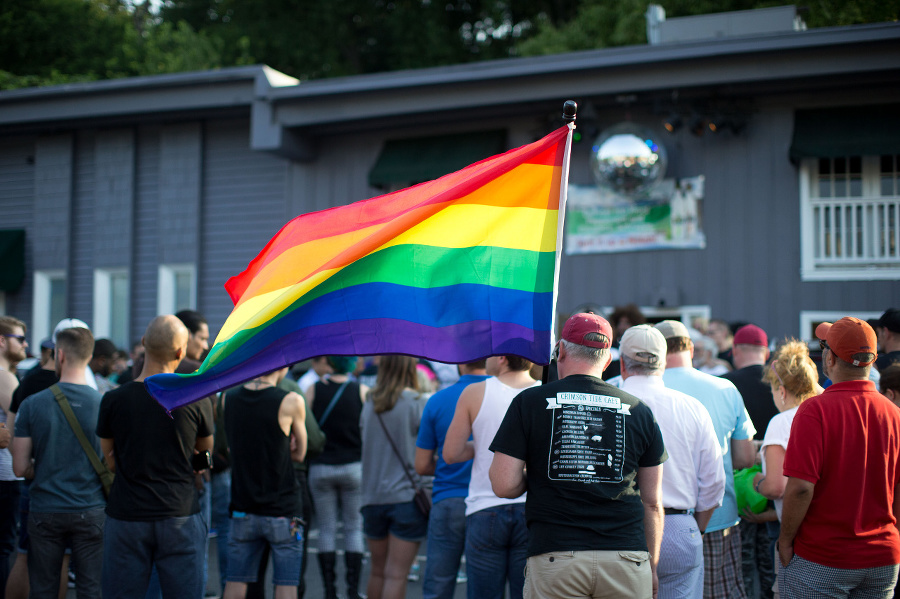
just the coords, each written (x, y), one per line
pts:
(497, 398)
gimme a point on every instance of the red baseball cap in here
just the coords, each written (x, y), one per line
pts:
(751, 334)
(579, 325)
(849, 336)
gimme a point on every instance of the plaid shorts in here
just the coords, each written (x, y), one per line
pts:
(723, 575)
(803, 579)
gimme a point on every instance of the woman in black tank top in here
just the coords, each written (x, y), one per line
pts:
(335, 476)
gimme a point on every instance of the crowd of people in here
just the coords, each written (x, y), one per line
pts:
(614, 478)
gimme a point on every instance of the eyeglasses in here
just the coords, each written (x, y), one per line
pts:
(823, 346)
(21, 338)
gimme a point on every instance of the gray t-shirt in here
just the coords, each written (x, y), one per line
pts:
(64, 480)
(383, 479)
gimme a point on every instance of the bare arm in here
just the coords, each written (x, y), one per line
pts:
(457, 447)
(8, 384)
(772, 485)
(742, 455)
(896, 504)
(202, 444)
(294, 409)
(703, 518)
(5, 434)
(798, 495)
(650, 482)
(425, 462)
(507, 476)
(22, 464)
(106, 446)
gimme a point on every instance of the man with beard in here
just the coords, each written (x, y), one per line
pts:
(12, 351)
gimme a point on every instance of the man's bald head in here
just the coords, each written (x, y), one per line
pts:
(165, 336)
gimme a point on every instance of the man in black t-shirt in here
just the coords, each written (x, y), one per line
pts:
(153, 516)
(589, 456)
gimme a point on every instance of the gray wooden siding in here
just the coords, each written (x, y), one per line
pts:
(196, 192)
(180, 172)
(146, 230)
(243, 206)
(750, 269)
(17, 175)
(81, 257)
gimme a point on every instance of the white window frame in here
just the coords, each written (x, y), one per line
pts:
(41, 327)
(102, 325)
(165, 289)
(685, 314)
(854, 268)
(811, 317)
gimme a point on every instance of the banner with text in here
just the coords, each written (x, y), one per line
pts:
(669, 217)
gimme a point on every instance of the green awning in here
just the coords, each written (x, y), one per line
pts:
(409, 161)
(846, 131)
(12, 259)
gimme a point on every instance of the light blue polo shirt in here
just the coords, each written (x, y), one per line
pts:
(730, 420)
(450, 480)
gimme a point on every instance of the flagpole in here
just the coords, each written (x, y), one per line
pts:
(570, 108)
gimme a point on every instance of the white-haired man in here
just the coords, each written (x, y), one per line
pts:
(693, 482)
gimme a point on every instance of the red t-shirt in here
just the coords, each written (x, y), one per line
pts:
(847, 442)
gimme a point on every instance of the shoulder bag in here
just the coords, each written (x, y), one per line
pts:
(105, 474)
(331, 404)
(422, 498)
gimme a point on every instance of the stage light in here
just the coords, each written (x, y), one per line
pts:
(673, 122)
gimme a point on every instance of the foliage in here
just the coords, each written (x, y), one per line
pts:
(48, 42)
(600, 23)
(45, 42)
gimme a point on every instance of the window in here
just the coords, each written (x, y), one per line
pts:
(850, 218)
(49, 303)
(810, 319)
(177, 288)
(111, 305)
(689, 315)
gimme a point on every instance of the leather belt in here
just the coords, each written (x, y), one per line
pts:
(670, 511)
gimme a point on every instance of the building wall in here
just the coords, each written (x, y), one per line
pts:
(750, 268)
(150, 194)
(17, 186)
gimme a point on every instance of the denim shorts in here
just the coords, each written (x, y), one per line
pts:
(249, 536)
(403, 520)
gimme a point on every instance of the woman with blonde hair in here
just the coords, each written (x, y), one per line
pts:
(392, 523)
(793, 378)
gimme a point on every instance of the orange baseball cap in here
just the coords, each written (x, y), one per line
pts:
(849, 336)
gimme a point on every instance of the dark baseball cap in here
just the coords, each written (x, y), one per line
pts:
(890, 320)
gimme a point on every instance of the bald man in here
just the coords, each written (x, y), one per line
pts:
(153, 516)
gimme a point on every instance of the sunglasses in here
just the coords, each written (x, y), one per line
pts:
(823, 346)
(21, 338)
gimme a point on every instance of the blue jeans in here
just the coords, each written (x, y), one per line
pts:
(221, 517)
(205, 498)
(174, 545)
(446, 543)
(250, 534)
(50, 534)
(496, 551)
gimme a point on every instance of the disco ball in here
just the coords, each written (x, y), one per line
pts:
(626, 159)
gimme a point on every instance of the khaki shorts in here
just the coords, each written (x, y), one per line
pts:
(607, 574)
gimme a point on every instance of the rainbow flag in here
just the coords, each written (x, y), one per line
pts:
(453, 270)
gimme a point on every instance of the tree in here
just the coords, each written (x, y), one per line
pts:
(600, 23)
(45, 42)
